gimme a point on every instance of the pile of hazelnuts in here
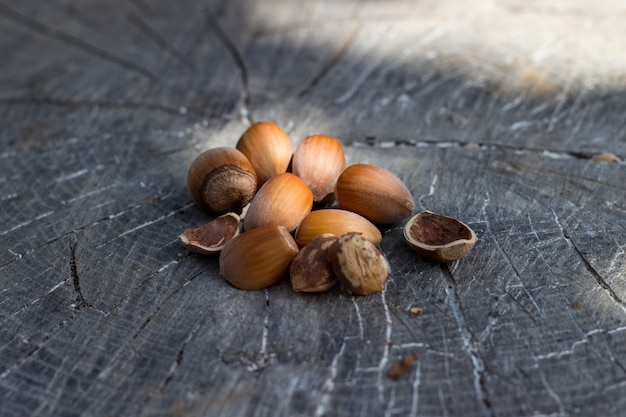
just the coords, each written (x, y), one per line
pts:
(304, 214)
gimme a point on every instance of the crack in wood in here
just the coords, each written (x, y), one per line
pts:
(237, 58)
(46, 31)
(332, 62)
(598, 277)
(160, 41)
(79, 300)
(89, 104)
(470, 343)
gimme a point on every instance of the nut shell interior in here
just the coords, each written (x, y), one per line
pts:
(438, 237)
(211, 237)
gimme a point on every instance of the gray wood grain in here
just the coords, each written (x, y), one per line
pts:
(489, 112)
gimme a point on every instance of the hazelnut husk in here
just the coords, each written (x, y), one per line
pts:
(221, 180)
(438, 237)
(373, 192)
(358, 264)
(311, 270)
(319, 160)
(211, 237)
(258, 258)
(268, 148)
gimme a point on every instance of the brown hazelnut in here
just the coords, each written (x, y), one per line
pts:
(268, 148)
(373, 192)
(358, 264)
(337, 222)
(221, 180)
(319, 160)
(311, 270)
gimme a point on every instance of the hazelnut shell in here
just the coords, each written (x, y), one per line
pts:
(438, 237)
(258, 258)
(358, 264)
(337, 222)
(221, 180)
(268, 148)
(211, 237)
(284, 200)
(373, 192)
(319, 160)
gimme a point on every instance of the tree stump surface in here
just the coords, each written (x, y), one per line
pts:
(491, 112)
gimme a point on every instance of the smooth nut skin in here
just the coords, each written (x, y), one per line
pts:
(311, 270)
(337, 222)
(258, 258)
(221, 180)
(211, 237)
(358, 264)
(284, 200)
(268, 148)
(319, 160)
(438, 237)
(373, 192)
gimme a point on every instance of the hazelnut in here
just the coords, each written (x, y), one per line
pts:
(319, 160)
(258, 258)
(373, 192)
(268, 148)
(311, 270)
(211, 237)
(284, 200)
(358, 264)
(438, 237)
(337, 222)
(221, 180)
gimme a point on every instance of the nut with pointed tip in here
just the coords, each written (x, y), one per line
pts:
(438, 237)
(358, 264)
(311, 270)
(373, 192)
(337, 222)
(258, 258)
(221, 180)
(268, 148)
(211, 237)
(284, 200)
(319, 160)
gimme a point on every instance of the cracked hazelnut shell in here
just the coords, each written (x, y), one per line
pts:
(438, 237)
(211, 237)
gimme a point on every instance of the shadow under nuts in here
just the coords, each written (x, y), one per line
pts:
(358, 264)
(374, 193)
(258, 258)
(221, 180)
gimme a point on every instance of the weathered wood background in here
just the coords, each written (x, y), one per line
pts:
(491, 112)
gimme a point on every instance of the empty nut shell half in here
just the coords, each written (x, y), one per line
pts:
(211, 237)
(358, 264)
(311, 270)
(337, 222)
(374, 193)
(258, 258)
(284, 200)
(268, 148)
(438, 237)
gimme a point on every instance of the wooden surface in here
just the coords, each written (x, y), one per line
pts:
(489, 111)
